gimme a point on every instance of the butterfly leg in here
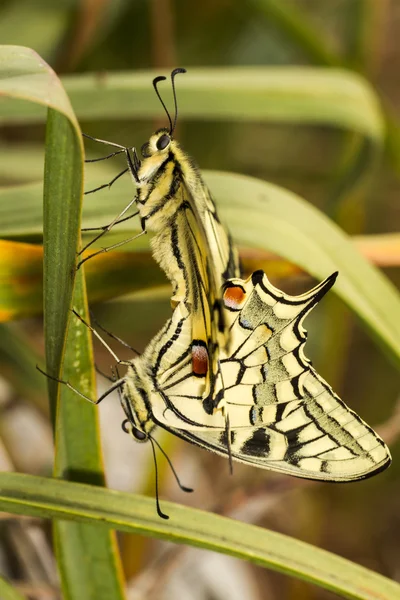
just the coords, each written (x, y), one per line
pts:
(111, 155)
(108, 248)
(107, 185)
(116, 385)
(107, 143)
(115, 357)
(106, 228)
(116, 221)
(133, 164)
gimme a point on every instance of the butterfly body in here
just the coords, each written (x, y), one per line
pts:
(175, 204)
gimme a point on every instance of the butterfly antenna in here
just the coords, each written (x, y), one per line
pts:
(182, 487)
(173, 75)
(159, 511)
(155, 82)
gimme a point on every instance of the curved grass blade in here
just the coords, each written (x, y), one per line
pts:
(334, 97)
(110, 275)
(305, 95)
(29, 495)
(25, 76)
(267, 216)
(78, 451)
(63, 181)
(79, 458)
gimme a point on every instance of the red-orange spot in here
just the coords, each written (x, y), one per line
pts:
(199, 360)
(234, 296)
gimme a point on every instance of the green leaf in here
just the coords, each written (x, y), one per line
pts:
(63, 181)
(266, 216)
(8, 592)
(25, 76)
(301, 95)
(79, 458)
(78, 451)
(333, 97)
(36, 496)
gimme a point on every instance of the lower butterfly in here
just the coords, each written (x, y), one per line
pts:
(268, 406)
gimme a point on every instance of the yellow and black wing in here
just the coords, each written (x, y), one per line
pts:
(282, 415)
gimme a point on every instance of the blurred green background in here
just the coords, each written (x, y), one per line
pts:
(359, 521)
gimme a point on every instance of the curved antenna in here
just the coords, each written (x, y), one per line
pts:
(155, 82)
(182, 487)
(173, 75)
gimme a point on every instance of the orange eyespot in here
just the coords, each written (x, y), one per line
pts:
(199, 359)
(234, 296)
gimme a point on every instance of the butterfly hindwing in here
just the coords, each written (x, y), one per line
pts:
(282, 414)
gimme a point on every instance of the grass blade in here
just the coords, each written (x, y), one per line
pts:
(333, 97)
(79, 458)
(78, 452)
(275, 219)
(25, 76)
(29, 495)
(21, 275)
(61, 229)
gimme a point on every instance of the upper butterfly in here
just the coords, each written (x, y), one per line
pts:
(190, 243)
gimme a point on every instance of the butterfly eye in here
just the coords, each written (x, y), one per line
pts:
(139, 435)
(163, 141)
(129, 427)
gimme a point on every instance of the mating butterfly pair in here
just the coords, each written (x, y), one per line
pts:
(228, 371)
